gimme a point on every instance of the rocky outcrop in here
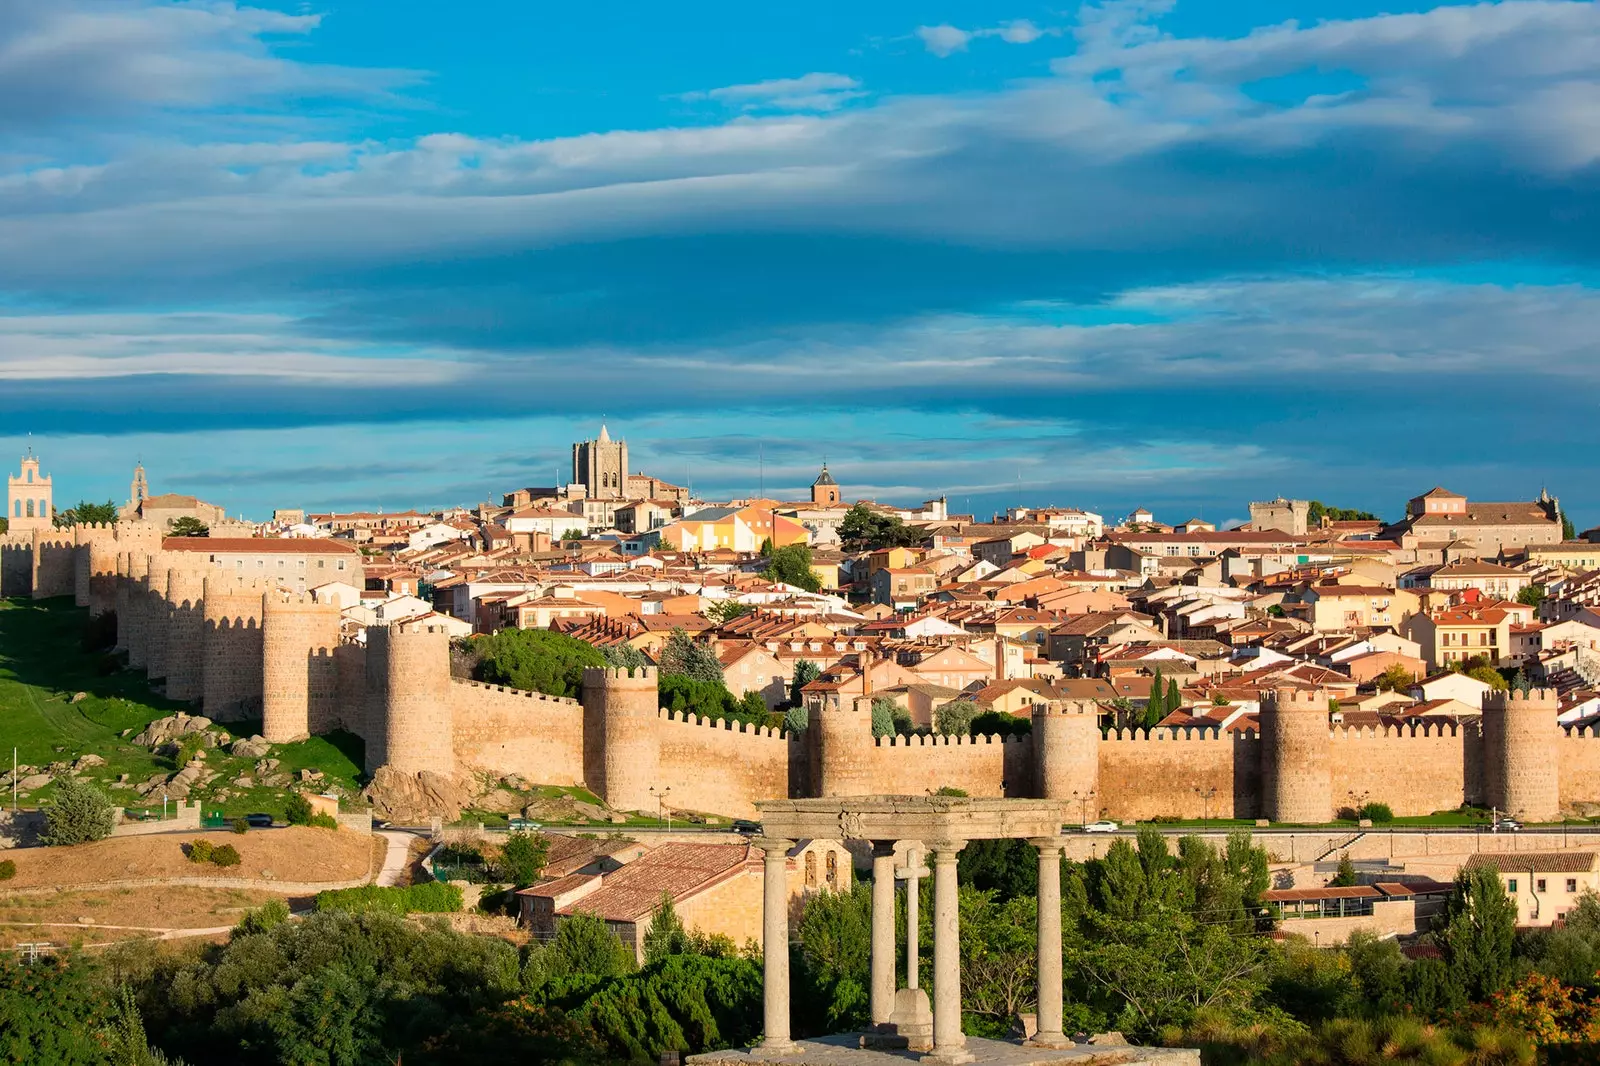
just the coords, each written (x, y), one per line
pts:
(254, 748)
(412, 798)
(168, 730)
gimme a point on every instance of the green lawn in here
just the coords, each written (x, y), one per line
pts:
(43, 664)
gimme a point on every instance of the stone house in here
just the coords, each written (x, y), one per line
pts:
(1545, 885)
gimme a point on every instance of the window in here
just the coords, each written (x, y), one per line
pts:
(1511, 884)
(811, 869)
(1572, 885)
(833, 868)
(18, 508)
(30, 508)
(1538, 886)
(30, 476)
(341, 564)
(321, 563)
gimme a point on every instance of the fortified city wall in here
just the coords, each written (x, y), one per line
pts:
(246, 649)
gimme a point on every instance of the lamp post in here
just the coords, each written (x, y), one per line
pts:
(1358, 800)
(1205, 795)
(661, 795)
(1083, 805)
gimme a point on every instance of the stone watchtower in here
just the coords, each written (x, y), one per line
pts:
(840, 749)
(621, 740)
(408, 682)
(1296, 783)
(1066, 751)
(1521, 760)
(601, 466)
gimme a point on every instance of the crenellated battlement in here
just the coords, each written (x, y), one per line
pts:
(1177, 734)
(1296, 699)
(725, 725)
(539, 697)
(938, 740)
(1413, 730)
(1061, 708)
(1539, 699)
(621, 676)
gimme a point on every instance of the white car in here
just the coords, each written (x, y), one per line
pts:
(1100, 827)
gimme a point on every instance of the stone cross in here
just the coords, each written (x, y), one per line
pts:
(912, 872)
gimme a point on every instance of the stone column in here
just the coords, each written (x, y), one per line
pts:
(775, 942)
(949, 1044)
(912, 873)
(1049, 1032)
(883, 938)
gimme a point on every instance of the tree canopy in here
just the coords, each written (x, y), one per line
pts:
(791, 565)
(683, 655)
(188, 526)
(85, 513)
(1318, 510)
(535, 660)
(864, 529)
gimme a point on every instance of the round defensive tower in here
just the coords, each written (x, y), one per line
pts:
(410, 667)
(102, 563)
(231, 655)
(1297, 785)
(158, 615)
(1520, 734)
(1066, 753)
(138, 615)
(840, 746)
(186, 633)
(298, 636)
(624, 706)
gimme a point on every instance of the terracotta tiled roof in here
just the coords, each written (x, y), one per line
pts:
(1544, 862)
(260, 545)
(683, 870)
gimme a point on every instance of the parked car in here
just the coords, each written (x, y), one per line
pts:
(1101, 827)
(746, 827)
(1505, 825)
(258, 821)
(524, 825)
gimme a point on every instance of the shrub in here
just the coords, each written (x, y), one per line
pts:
(955, 718)
(8, 870)
(199, 851)
(430, 897)
(225, 855)
(1379, 813)
(522, 858)
(297, 810)
(240, 825)
(264, 918)
(321, 820)
(78, 813)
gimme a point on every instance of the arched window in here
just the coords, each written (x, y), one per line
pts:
(30, 508)
(44, 508)
(17, 507)
(833, 869)
(30, 475)
(811, 869)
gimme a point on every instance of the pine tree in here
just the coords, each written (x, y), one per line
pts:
(1174, 697)
(1155, 708)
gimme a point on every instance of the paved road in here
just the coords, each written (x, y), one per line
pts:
(394, 860)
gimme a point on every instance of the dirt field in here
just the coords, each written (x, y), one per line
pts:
(106, 915)
(294, 854)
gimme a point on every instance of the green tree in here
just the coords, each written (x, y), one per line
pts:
(1395, 678)
(522, 858)
(188, 526)
(791, 565)
(77, 813)
(535, 660)
(572, 534)
(1531, 595)
(1489, 676)
(584, 946)
(85, 513)
(1155, 705)
(805, 672)
(624, 657)
(954, 719)
(683, 655)
(666, 935)
(1568, 530)
(684, 1002)
(883, 714)
(724, 611)
(834, 939)
(1174, 697)
(864, 529)
(51, 1011)
(1477, 930)
(1346, 877)
(998, 723)
(752, 708)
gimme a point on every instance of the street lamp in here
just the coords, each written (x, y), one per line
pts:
(1205, 795)
(1083, 805)
(661, 795)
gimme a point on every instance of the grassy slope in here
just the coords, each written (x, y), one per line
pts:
(42, 664)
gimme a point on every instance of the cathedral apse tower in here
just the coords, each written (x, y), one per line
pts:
(601, 466)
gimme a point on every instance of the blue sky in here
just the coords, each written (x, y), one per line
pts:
(1173, 254)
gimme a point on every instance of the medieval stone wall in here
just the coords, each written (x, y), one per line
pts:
(232, 652)
(1296, 738)
(408, 680)
(55, 569)
(1180, 773)
(721, 766)
(299, 678)
(1416, 770)
(509, 731)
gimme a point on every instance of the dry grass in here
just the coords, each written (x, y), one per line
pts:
(91, 916)
(295, 854)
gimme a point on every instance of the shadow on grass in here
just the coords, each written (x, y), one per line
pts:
(41, 644)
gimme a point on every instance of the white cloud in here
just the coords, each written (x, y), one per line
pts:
(817, 91)
(945, 40)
